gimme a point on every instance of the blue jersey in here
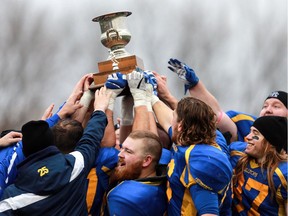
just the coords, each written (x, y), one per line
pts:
(243, 123)
(8, 170)
(252, 195)
(138, 197)
(220, 140)
(198, 177)
(236, 150)
(6, 151)
(106, 161)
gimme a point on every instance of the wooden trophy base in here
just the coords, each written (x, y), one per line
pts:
(126, 65)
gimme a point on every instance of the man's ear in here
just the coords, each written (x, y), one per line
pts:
(147, 161)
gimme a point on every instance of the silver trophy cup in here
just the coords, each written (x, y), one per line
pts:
(115, 36)
(114, 33)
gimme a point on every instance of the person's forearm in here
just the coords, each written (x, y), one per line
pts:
(85, 100)
(171, 100)
(152, 123)
(163, 114)
(89, 143)
(54, 119)
(224, 123)
(109, 138)
(141, 119)
(200, 92)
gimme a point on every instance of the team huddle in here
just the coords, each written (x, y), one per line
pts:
(163, 157)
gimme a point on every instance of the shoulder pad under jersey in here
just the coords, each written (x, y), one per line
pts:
(210, 167)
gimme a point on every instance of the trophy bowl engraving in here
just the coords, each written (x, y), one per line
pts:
(114, 33)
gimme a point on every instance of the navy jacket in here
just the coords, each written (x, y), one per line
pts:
(50, 183)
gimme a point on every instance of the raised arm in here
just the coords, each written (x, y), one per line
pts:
(87, 96)
(164, 93)
(151, 89)
(163, 113)
(198, 90)
(224, 123)
(137, 85)
(89, 144)
(48, 112)
(115, 84)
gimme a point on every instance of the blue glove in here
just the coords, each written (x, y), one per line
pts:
(150, 78)
(184, 72)
(116, 81)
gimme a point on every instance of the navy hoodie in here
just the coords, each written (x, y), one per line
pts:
(52, 183)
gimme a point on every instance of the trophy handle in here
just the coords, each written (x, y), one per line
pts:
(112, 31)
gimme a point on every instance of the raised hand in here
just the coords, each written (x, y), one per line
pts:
(82, 85)
(48, 112)
(136, 80)
(115, 84)
(150, 79)
(137, 85)
(184, 72)
(72, 103)
(70, 107)
(116, 81)
(102, 98)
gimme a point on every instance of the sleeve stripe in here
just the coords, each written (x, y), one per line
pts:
(20, 201)
(11, 163)
(281, 177)
(236, 153)
(78, 165)
(242, 117)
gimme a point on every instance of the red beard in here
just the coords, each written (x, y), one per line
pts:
(121, 173)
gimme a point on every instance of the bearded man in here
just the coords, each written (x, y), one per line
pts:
(129, 178)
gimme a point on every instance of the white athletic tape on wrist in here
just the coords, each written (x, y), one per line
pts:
(149, 106)
(149, 92)
(139, 97)
(86, 98)
(112, 100)
(154, 99)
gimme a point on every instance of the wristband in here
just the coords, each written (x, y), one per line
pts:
(86, 98)
(219, 118)
(154, 99)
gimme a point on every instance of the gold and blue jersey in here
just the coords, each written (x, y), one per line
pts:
(137, 193)
(243, 123)
(252, 195)
(138, 197)
(105, 163)
(198, 177)
(237, 150)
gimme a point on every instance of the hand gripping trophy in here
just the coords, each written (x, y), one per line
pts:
(115, 36)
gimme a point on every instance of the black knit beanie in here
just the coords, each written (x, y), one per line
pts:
(36, 136)
(274, 129)
(280, 95)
